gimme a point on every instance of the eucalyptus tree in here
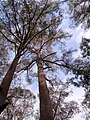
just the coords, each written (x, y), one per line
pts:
(30, 27)
(22, 104)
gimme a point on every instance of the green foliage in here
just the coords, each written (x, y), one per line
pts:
(62, 109)
(80, 12)
(22, 103)
(31, 25)
(85, 47)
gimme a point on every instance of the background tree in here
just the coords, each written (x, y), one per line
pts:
(21, 107)
(79, 14)
(86, 105)
(63, 110)
(85, 48)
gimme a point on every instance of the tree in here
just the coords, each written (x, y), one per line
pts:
(21, 106)
(24, 24)
(62, 109)
(79, 14)
(86, 104)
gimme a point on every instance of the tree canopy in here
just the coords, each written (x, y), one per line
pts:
(31, 31)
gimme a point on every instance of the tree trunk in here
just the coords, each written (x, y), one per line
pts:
(7, 80)
(46, 112)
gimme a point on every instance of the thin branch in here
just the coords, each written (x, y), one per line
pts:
(25, 68)
(47, 42)
(32, 50)
(49, 81)
(46, 67)
(55, 62)
(44, 8)
(9, 20)
(36, 35)
(49, 55)
(40, 14)
(10, 31)
(30, 20)
(7, 38)
(18, 31)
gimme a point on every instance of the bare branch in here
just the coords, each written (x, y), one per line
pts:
(30, 20)
(40, 14)
(7, 38)
(49, 55)
(9, 30)
(36, 35)
(46, 67)
(49, 81)
(51, 38)
(55, 62)
(29, 65)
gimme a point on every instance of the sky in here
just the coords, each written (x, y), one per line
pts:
(74, 42)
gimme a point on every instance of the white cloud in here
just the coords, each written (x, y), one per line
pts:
(87, 34)
(78, 94)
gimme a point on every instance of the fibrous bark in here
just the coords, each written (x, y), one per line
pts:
(46, 112)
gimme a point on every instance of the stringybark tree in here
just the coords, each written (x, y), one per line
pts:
(45, 102)
(62, 109)
(31, 27)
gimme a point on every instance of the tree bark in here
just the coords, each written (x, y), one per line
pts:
(7, 80)
(46, 112)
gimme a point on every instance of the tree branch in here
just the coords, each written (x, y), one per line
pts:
(36, 35)
(8, 38)
(55, 62)
(47, 42)
(49, 55)
(25, 68)
(10, 31)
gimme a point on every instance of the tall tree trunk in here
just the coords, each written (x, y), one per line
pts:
(7, 80)
(46, 112)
